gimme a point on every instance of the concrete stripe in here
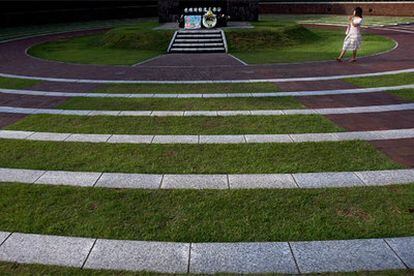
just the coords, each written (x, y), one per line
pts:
(209, 181)
(209, 95)
(301, 79)
(209, 139)
(218, 113)
(238, 257)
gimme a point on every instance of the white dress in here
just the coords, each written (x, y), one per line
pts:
(353, 37)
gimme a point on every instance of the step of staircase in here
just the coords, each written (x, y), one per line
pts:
(198, 41)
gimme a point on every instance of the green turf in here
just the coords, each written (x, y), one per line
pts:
(261, 103)
(177, 125)
(382, 81)
(99, 49)
(189, 88)
(209, 216)
(10, 269)
(13, 83)
(190, 158)
(326, 47)
(406, 94)
(269, 42)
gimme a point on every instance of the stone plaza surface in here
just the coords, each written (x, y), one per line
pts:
(171, 257)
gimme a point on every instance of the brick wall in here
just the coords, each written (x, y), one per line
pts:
(370, 8)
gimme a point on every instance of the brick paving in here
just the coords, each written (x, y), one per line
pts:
(14, 61)
(315, 85)
(399, 150)
(374, 121)
(30, 101)
(193, 60)
(8, 119)
(349, 100)
(65, 86)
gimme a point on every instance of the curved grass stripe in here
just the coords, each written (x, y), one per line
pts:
(209, 181)
(210, 95)
(208, 139)
(218, 113)
(169, 257)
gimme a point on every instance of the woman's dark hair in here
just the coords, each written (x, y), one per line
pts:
(358, 12)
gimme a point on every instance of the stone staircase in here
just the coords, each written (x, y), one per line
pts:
(198, 41)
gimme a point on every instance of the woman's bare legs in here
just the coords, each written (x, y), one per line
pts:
(341, 55)
(354, 55)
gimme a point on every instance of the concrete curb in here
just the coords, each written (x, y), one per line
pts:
(210, 113)
(209, 181)
(209, 95)
(208, 139)
(243, 257)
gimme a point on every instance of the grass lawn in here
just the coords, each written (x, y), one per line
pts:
(271, 41)
(261, 103)
(406, 94)
(177, 125)
(325, 47)
(12, 83)
(197, 159)
(209, 216)
(48, 270)
(201, 88)
(100, 48)
(380, 81)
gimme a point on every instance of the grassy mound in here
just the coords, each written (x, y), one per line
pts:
(269, 35)
(141, 37)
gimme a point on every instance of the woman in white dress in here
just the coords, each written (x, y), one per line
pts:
(353, 37)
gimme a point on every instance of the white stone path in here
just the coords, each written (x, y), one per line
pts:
(208, 139)
(245, 257)
(209, 181)
(212, 113)
(209, 95)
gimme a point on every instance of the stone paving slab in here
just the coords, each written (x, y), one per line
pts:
(4, 236)
(139, 256)
(210, 139)
(386, 177)
(48, 136)
(176, 113)
(242, 257)
(221, 139)
(271, 138)
(404, 248)
(69, 178)
(43, 249)
(260, 181)
(132, 139)
(94, 138)
(345, 256)
(175, 139)
(11, 134)
(136, 181)
(212, 258)
(20, 175)
(330, 179)
(209, 95)
(208, 181)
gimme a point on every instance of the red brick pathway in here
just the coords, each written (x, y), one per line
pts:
(13, 60)
(195, 60)
(8, 119)
(349, 100)
(375, 121)
(64, 86)
(315, 85)
(30, 101)
(400, 150)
